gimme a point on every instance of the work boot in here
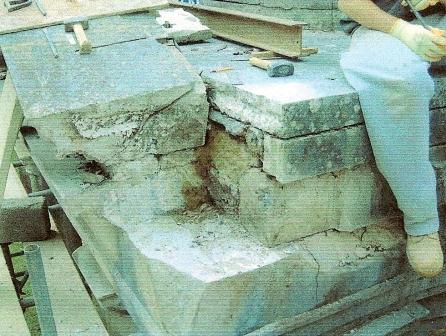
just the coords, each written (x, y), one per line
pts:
(425, 254)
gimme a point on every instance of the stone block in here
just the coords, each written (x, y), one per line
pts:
(119, 112)
(182, 26)
(279, 213)
(166, 259)
(298, 158)
(225, 283)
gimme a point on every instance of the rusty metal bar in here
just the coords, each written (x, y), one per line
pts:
(284, 37)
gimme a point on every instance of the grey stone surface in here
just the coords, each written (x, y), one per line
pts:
(315, 99)
(166, 259)
(279, 213)
(109, 106)
(392, 322)
(302, 157)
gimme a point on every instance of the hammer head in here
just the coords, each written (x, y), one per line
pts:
(69, 23)
(280, 69)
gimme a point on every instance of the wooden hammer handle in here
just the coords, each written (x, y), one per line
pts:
(84, 43)
(260, 63)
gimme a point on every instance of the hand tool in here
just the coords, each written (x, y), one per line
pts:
(12, 5)
(436, 31)
(78, 24)
(52, 46)
(273, 68)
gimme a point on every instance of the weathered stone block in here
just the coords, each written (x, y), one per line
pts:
(278, 213)
(164, 259)
(218, 280)
(298, 158)
(119, 112)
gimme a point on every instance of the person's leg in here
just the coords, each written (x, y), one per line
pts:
(395, 89)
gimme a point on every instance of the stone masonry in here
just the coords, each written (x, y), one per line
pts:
(223, 201)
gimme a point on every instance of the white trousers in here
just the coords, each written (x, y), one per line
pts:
(395, 89)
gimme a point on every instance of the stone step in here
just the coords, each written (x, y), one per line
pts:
(205, 265)
(164, 259)
(124, 113)
(278, 213)
(311, 123)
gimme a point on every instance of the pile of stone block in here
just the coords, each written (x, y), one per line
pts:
(212, 219)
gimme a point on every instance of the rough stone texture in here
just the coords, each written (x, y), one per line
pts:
(301, 157)
(117, 113)
(205, 265)
(163, 258)
(389, 324)
(278, 213)
(223, 161)
(182, 26)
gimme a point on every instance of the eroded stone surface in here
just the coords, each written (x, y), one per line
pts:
(164, 258)
(197, 259)
(278, 213)
(119, 112)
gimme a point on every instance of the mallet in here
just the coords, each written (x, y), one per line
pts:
(78, 24)
(273, 68)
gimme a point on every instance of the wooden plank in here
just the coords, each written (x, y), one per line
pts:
(12, 321)
(11, 120)
(74, 313)
(281, 36)
(60, 10)
(405, 287)
(99, 285)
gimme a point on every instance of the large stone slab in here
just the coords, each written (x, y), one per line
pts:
(112, 105)
(163, 258)
(205, 265)
(278, 213)
(315, 99)
(302, 157)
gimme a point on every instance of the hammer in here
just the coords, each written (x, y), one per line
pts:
(273, 68)
(78, 24)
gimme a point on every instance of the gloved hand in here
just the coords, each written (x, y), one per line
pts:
(421, 4)
(430, 46)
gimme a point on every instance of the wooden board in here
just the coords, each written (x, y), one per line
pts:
(60, 10)
(74, 313)
(284, 37)
(11, 120)
(12, 321)
(405, 288)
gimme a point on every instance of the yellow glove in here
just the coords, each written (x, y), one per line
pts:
(428, 45)
(421, 4)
